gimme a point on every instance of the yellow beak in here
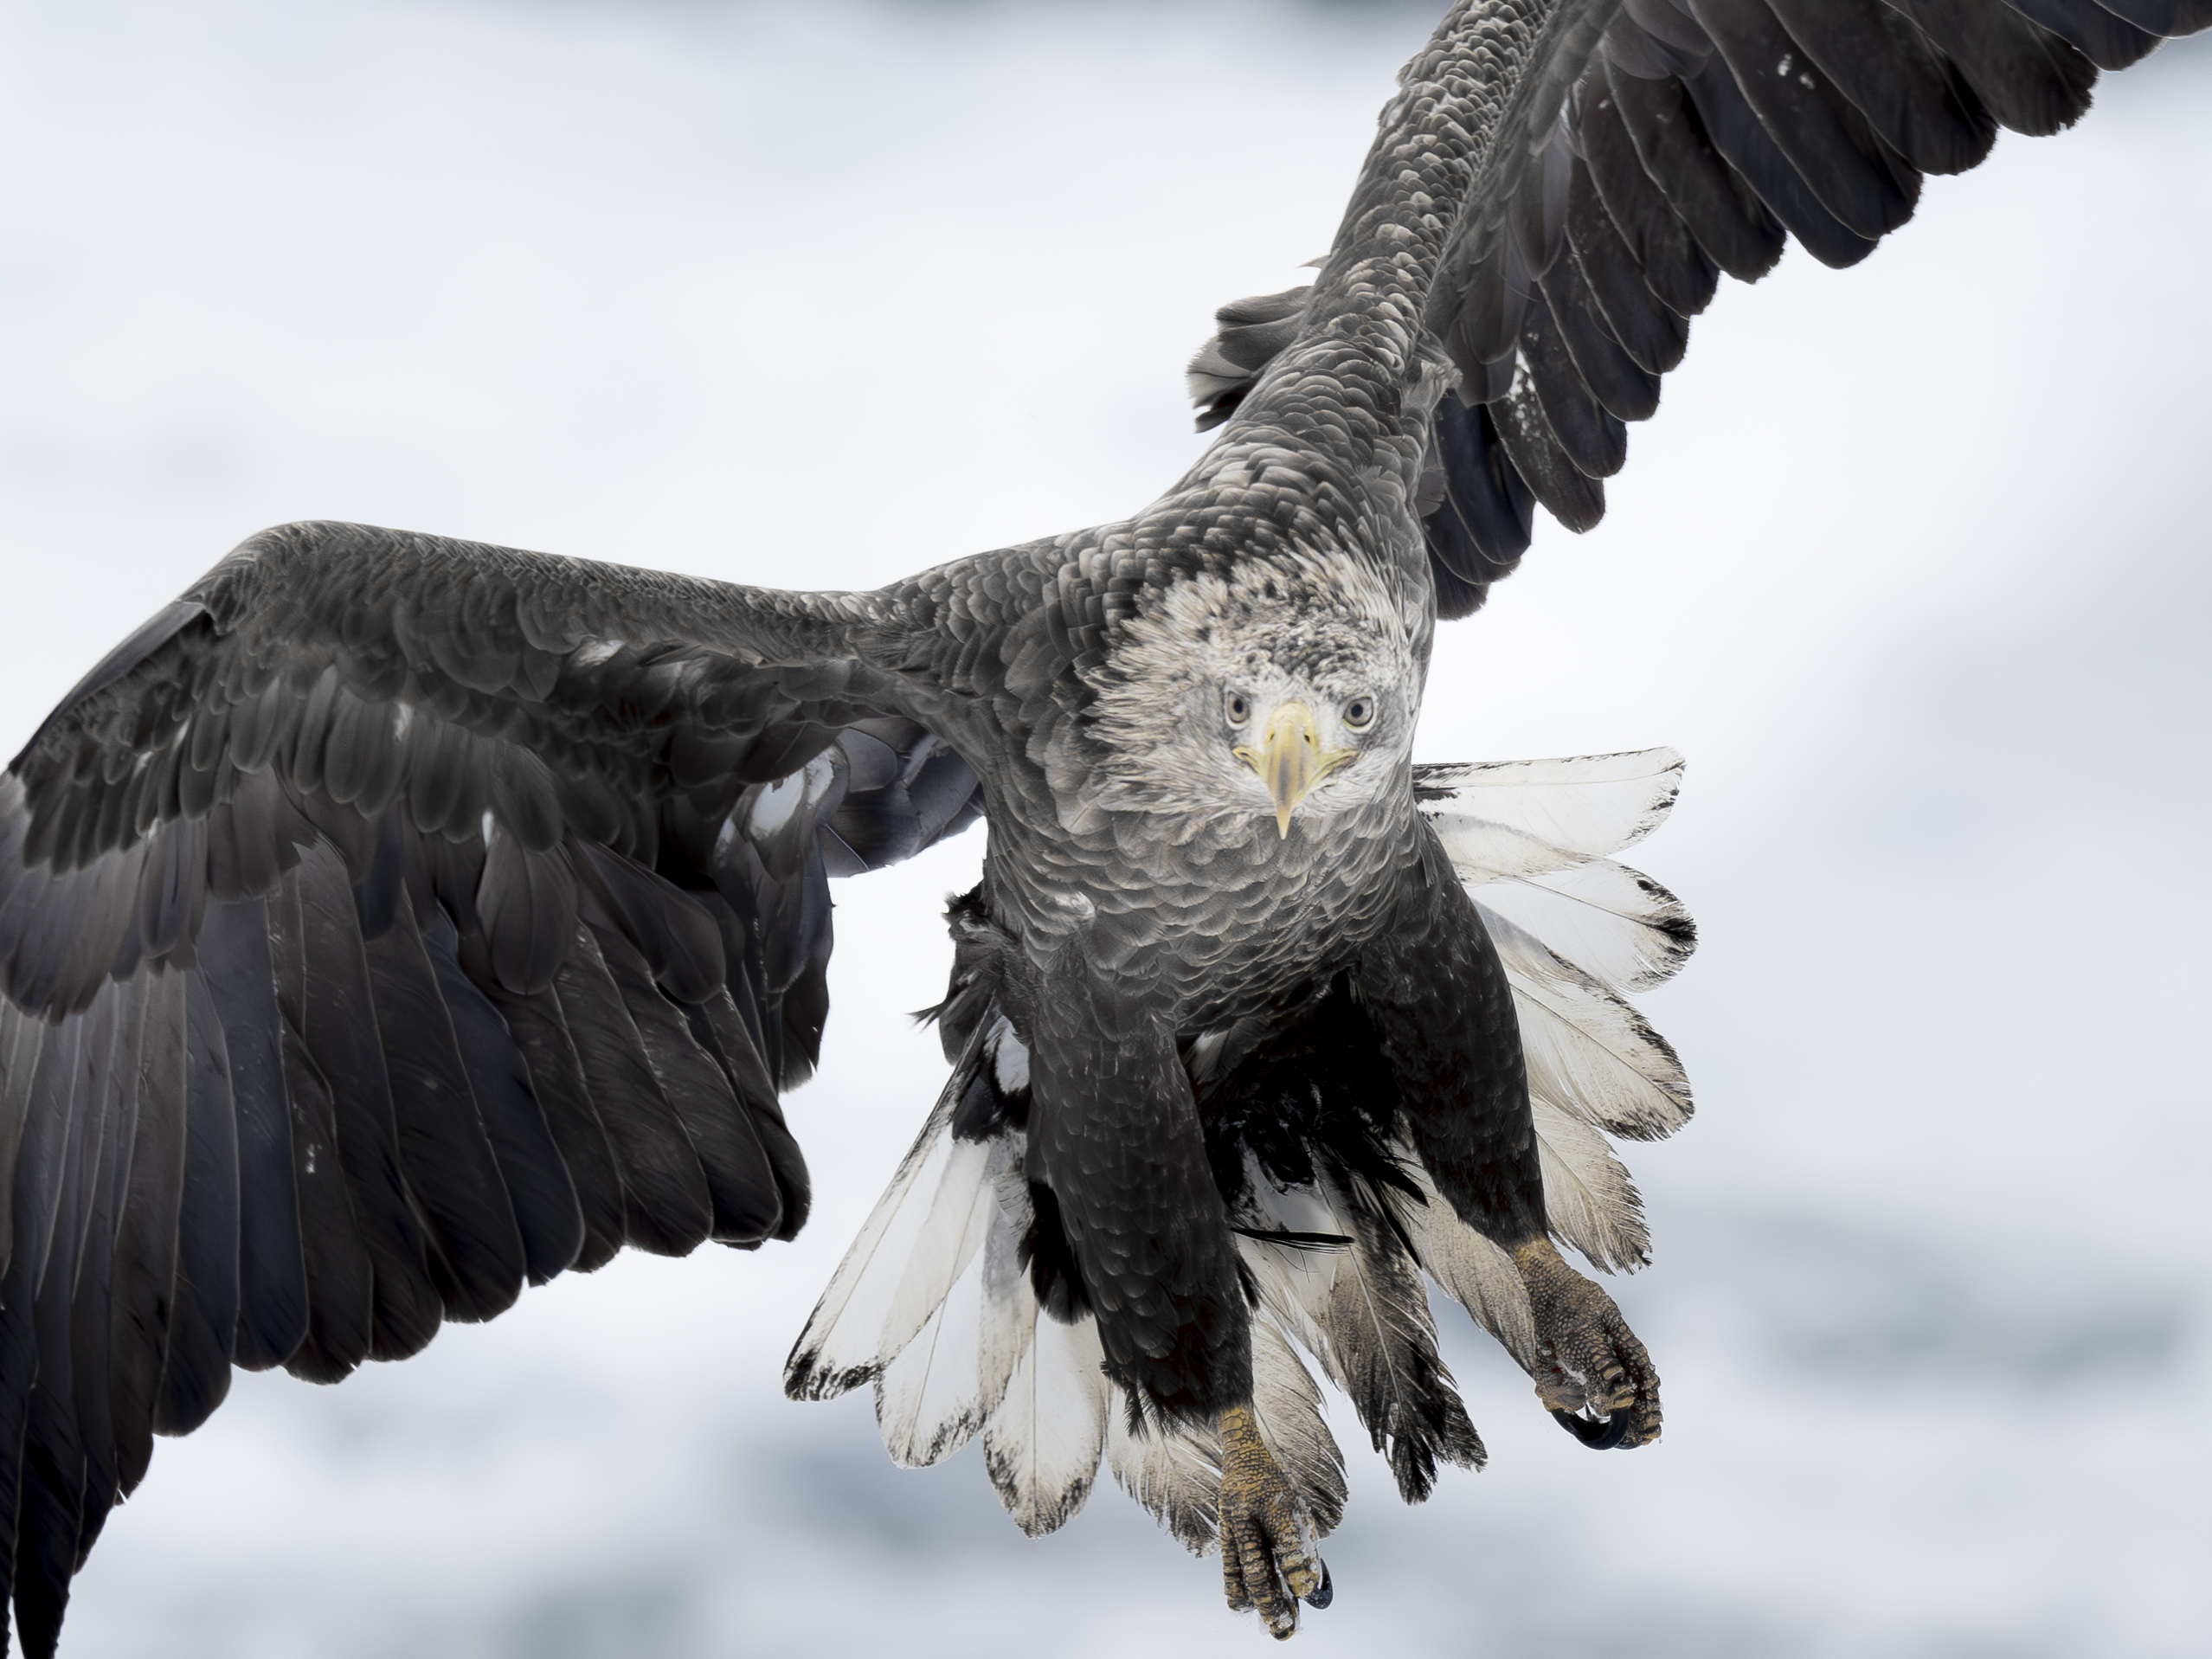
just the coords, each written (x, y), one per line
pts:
(1290, 763)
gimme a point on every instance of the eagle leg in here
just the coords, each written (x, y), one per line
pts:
(1585, 1353)
(1269, 1552)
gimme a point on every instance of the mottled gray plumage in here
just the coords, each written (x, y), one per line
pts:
(394, 921)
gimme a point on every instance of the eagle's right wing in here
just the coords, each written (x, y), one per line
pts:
(390, 922)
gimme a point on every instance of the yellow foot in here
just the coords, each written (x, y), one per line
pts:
(1586, 1355)
(1269, 1555)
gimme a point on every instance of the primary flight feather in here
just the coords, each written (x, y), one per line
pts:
(394, 921)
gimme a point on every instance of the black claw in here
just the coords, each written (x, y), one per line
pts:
(1326, 1594)
(1600, 1434)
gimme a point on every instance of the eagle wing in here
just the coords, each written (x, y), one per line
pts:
(1651, 146)
(389, 923)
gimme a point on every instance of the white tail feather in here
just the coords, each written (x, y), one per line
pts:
(1574, 929)
(948, 1380)
(953, 1220)
(1588, 1050)
(1588, 1197)
(921, 1235)
(927, 1396)
(1522, 818)
(1174, 1470)
(1042, 1444)
(1614, 923)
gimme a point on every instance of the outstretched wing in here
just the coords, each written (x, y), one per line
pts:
(1651, 146)
(389, 923)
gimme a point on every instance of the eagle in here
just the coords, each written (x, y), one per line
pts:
(394, 921)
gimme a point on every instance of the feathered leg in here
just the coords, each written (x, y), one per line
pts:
(1114, 1136)
(1443, 1014)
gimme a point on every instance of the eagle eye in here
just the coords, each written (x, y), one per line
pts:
(1240, 709)
(1359, 713)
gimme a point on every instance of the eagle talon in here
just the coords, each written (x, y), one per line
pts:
(1588, 1358)
(1268, 1558)
(1322, 1598)
(1598, 1433)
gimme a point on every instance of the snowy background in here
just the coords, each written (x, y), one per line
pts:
(1912, 565)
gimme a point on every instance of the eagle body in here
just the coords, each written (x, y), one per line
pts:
(1144, 900)
(394, 922)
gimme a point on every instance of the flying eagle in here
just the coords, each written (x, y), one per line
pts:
(392, 922)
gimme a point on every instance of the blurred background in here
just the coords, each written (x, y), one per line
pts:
(1912, 565)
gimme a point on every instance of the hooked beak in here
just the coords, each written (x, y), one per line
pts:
(1291, 761)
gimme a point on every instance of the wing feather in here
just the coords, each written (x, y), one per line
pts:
(536, 1183)
(340, 1280)
(345, 1050)
(234, 951)
(145, 1268)
(740, 1185)
(667, 1208)
(477, 1258)
(204, 1312)
(535, 1026)
(111, 1084)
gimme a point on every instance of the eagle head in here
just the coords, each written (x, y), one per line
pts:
(1280, 692)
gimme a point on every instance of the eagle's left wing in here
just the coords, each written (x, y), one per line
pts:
(1649, 147)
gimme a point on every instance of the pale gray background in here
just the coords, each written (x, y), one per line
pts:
(1912, 565)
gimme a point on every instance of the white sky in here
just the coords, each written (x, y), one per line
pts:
(1912, 565)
